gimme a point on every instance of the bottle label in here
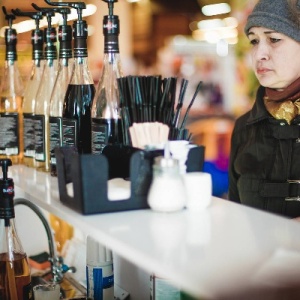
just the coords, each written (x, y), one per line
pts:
(163, 289)
(39, 131)
(9, 133)
(55, 136)
(69, 132)
(100, 282)
(99, 137)
(28, 135)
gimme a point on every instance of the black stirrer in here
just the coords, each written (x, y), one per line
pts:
(190, 105)
(183, 87)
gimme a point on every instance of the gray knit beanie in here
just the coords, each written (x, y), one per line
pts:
(276, 15)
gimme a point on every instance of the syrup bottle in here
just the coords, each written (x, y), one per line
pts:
(11, 97)
(15, 279)
(41, 122)
(80, 91)
(37, 41)
(106, 121)
(65, 68)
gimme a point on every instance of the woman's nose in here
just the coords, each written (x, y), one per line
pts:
(261, 52)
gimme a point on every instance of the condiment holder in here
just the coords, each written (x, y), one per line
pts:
(90, 173)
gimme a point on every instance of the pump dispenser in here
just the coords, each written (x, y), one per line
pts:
(106, 121)
(41, 123)
(15, 280)
(81, 90)
(37, 41)
(11, 97)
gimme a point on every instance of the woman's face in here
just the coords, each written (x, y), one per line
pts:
(275, 57)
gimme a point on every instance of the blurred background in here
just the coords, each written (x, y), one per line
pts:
(199, 40)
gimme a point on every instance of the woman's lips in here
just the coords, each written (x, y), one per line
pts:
(262, 71)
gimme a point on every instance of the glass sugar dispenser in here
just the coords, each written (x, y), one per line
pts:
(167, 191)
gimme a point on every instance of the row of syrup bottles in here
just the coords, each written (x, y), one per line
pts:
(57, 106)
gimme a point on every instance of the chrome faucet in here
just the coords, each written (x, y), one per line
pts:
(57, 266)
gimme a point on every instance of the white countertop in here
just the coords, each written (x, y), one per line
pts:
(219, 253)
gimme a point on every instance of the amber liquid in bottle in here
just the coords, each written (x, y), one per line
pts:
(29, 100)
(42, 105)
(14, 273)
(11, 97)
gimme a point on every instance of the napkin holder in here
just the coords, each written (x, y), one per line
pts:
(90, 173)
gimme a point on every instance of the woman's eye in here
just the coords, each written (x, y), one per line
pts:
(274, 40)
(253, 42)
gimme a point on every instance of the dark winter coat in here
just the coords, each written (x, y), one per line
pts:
(264, 169)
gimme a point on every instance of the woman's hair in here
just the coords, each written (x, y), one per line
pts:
(295, 10)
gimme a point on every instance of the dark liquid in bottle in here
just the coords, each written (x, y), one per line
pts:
(77, 107)
(105, 132)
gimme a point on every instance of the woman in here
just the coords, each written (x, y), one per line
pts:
(264, 167)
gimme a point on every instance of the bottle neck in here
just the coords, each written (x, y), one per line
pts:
(11, 44)
(38, 63)
(10, 62)
(65, 62)
(112, 57)
(51, 63)
(65, 41)
(111, 44)
(81, 73)
(10, 245)
(112, 63)
(80, 33)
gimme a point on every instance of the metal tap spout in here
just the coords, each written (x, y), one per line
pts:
(57, 267)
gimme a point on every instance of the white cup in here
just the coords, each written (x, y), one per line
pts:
(50, 291)
(198, 188)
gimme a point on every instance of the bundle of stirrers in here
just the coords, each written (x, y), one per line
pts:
(148, 133)
(153, 99)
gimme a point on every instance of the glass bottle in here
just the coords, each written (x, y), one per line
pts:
(41, 123)
(80, 92)
(37, 41)
(106, 121)
(11, 97)
(15, 279)
(65, 68)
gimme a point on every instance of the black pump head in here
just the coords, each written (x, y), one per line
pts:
(8, 17)
(79, 6)
(110, 6)
(5, 163)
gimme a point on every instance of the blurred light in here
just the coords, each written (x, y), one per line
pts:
(216, 9)
(210, 24)
(231, 22)
(214, 30)
(193, 26)
(180, 40)
(222, 48)
(215, 35)
(132, 1)
(218, 23)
